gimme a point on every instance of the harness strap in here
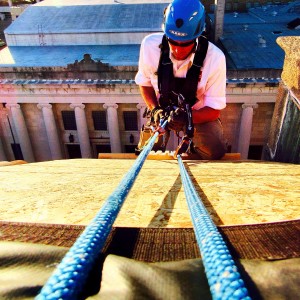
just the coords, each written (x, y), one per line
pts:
(193, 74)
(166, 79)
(165, 73)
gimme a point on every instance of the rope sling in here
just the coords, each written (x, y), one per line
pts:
(70, 276)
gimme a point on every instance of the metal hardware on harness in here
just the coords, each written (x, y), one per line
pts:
(183, 147)
(186, 140)
(182, 103)
(222, 274)
(69, 278)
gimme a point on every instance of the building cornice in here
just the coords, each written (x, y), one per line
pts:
(120, 91)
(229, 81)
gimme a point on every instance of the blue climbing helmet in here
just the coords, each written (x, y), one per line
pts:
(184, 20)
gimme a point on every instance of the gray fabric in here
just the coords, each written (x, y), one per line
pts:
(125, 279)
(25, 268)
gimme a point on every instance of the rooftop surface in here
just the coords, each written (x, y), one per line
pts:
(255, 47)
(89, 18)
(249, 39)
(96, 2)
(61, 56)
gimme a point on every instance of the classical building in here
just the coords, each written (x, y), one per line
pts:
(67, 85)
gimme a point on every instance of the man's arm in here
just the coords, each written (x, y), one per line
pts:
(205, 114)
(149, 96)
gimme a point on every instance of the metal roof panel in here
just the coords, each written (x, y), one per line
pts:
(89, 18)
(59, 56)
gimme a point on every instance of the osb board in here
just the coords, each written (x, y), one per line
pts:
(73, 191)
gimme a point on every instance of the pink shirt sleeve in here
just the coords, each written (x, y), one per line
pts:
(148, 61)
(212, 87)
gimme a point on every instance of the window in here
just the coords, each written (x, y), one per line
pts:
(255, 152)
(74, 151)
(228, 6)
(103, 149)
(130, 148)
(69, 120)
(99, 118)
(130, 120)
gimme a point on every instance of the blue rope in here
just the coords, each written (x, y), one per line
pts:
(222, 274)
(70, 276)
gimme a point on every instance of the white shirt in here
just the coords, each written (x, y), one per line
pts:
(212, 86)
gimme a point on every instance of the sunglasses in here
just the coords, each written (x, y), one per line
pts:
(180, 44)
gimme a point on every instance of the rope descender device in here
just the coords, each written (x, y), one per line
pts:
(160, 128)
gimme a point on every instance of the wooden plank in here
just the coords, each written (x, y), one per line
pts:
(159, 155)
(231, 156)
(72, 192)
(116, 156)
(12, 163)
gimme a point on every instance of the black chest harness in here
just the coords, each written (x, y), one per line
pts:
(180, 92)
(171, 87)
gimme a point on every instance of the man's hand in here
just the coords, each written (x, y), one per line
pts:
(177, 120)
(157, 114)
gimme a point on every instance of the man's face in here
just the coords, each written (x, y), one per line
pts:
(181, 50)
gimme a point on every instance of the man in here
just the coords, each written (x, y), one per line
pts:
(175, 86)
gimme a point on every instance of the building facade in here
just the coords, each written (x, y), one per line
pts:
(67, 119)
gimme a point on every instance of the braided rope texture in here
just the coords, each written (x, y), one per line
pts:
(222, 274)
(70, 276)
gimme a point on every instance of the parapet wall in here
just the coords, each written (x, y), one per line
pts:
(284, 141)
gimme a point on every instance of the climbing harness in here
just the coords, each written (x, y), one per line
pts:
(71, 274)
(222, 274)
(168, 84)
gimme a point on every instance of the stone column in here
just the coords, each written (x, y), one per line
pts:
(2, 152)
(141, 107)
(22, 132)
(245, 129)
(51, 129)
(283, 145)
(113, 127)
(9, 3)
(219, 19)
(82, 130)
